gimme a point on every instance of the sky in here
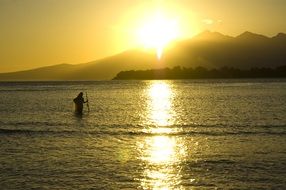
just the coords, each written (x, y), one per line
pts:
(36, 33)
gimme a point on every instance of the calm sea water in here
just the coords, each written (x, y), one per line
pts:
(205, 134)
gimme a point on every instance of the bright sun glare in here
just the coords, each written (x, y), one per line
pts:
(158, 32)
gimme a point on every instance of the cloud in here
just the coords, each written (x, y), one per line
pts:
(211, 21)
(208, 21)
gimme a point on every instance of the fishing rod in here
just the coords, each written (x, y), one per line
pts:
(87, 104)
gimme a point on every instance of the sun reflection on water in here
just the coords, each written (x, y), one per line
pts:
(161, 95)
(161, 150)
(162, 154)
(162, 157)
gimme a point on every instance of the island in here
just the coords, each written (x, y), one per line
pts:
(179, 72)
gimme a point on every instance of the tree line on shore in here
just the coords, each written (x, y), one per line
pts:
(202, 73)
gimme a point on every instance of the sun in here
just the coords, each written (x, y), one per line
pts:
(158, 32)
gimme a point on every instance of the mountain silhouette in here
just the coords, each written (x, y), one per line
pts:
(207, 49)
(101, 69)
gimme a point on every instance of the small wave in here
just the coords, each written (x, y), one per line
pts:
(219, 161)
(132, 133)
(211, 133)
(33, 123)
(184, 127)
(31, 132)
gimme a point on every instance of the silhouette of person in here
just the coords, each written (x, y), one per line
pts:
(79, 101)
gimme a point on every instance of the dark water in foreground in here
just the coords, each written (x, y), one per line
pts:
(144, 135)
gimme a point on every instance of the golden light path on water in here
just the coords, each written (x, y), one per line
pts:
(161, 153)
(160, 95)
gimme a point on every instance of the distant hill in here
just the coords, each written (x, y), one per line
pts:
(103, 69)
(208, 49)
(213, 50)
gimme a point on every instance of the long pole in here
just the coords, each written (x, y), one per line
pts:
(87, 104)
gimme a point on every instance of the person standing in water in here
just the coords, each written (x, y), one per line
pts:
(79, 101)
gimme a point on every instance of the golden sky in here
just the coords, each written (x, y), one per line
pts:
(35, 33)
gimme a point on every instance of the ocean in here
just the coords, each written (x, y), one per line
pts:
(184, 134)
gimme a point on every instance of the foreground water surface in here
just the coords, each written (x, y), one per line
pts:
(197, 134)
